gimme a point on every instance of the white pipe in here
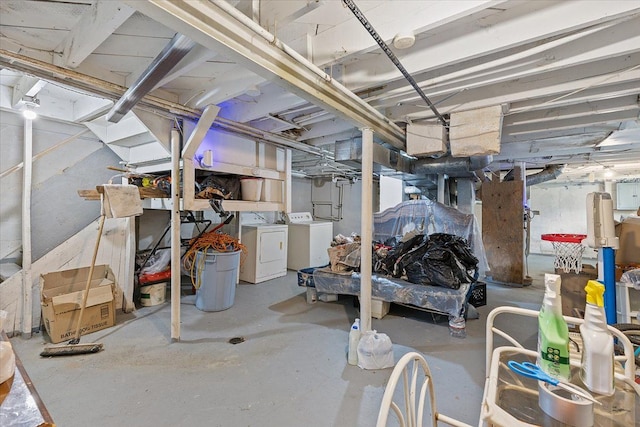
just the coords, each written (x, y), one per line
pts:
(366, 229)
(255, 27)
(175, 235)
(27, 280)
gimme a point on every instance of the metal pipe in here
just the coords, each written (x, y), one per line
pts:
(110, 90)
(221, 27)
(272, 39)
(547, 174)
(367, 25)
(452, 166)
(172, 53)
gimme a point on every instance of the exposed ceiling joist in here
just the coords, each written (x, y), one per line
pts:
(219, 28)
(94, 26)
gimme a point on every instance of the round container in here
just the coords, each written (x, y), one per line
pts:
(151, 295)
(565, 407)
(217, 278)
(251, 189)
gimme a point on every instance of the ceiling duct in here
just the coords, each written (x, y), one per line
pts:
(452, 166)
(349, 152)
(172, 53)
(549, 173)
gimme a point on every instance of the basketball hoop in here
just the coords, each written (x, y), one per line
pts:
(568, 249)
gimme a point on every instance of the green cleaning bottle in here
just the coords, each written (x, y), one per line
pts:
(553, 333)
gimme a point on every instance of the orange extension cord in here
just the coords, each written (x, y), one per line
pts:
(208, 243)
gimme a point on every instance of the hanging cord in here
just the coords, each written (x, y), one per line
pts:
(367, 25)
(209, 243)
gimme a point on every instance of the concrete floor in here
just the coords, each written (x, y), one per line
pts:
(290, 371)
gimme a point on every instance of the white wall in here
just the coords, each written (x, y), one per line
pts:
(391, 192)
(562, 210)
(57, 210)
(304, 191)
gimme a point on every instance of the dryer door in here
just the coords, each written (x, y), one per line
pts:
(272, 258)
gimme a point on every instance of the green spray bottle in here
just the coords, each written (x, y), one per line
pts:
(553, 333)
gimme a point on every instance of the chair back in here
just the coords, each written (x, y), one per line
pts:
(417, 387)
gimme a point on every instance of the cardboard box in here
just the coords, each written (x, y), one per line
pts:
(61, 299)
(426, 140)
(476, 132)
(628, 232)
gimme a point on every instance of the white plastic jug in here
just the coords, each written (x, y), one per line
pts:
(375, 351)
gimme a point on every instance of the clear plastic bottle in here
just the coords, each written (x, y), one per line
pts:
(553, 333)
(354, 339)
(457, 327)
(597, 353)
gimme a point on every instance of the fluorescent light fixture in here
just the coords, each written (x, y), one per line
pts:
(29, 114)
(30, 103)
(404, 40)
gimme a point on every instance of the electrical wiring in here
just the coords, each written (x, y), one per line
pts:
(209, 244)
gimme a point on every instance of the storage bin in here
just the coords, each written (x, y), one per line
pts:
(151, 295)
(478, 295)
(216, 275)
(271, 190)
(305, 277)
(251, 189)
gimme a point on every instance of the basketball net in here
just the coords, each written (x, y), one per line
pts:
(568, 256)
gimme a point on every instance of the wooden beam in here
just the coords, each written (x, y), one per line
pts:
(92, 29)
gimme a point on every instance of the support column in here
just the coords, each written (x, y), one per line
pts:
(366, 229)
(27, 280)
(442, 181)
(175, 235)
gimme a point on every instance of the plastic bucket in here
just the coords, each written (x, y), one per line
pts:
(151, 295)
(217, 275)
(251, 188)
(271, 190)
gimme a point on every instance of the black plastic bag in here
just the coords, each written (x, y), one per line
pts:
(392, 263)
(447, 261)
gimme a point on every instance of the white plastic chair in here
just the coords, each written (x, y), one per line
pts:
(414, 370)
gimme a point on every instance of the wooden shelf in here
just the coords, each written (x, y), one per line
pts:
(202, 204)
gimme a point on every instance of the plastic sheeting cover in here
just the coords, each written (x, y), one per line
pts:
(435, 298)
(428, 217)
(425, 216)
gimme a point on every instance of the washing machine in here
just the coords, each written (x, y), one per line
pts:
(308, 241)
(266, 252)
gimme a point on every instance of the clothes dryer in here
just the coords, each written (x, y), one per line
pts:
(266, 252)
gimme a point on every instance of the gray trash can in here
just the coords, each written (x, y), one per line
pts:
(217, 277)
